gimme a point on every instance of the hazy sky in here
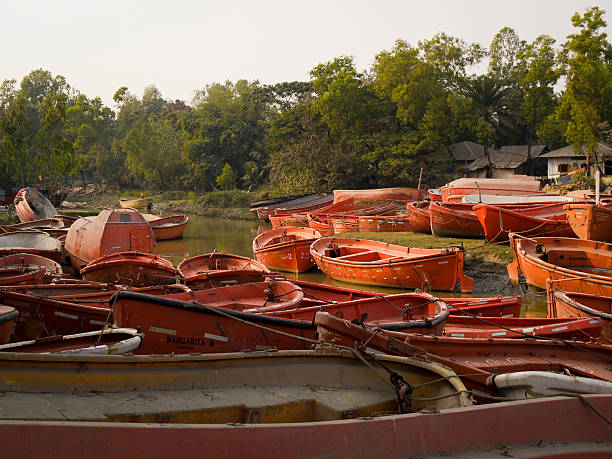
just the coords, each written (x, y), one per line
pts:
(180, 46)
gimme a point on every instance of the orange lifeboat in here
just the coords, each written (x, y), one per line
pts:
(418, 216)
(112, 231)
(578, 265)
(30, 205)
(165, 228)
(590, 221)
(454, 220)
(219, 269)
(286, 248)
(135, 269)
(362, 261)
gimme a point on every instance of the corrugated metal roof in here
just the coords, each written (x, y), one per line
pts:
(603, 148)
(508, 157)
(467, 151)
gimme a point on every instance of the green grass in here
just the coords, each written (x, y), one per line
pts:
(476, 249)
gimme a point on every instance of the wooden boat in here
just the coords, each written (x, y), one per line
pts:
(590, 221)
(135, 203)
(302, 219)
(176, 323)
(165, 228)
(218, 269)
(362, 261)
(477, 359)
(572, 304)
(585, 329)
(544, 220)
(30, 205)
(109, 232)
(7, 322)
(505, 187)
(286, 249)
(454, 220)
(43, 225)
(33, 242)
(382, 223)
(304, 204)
(135, 269)
(527, 428)
(585, 266)
(108, 341)
(279, 387)
(381, 194)
(418, 216)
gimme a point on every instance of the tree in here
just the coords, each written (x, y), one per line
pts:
(585, 112)
(227, 179)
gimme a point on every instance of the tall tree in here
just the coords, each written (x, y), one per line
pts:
(585, 112)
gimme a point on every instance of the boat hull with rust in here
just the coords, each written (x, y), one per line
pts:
(166, 228)
(112, 231)
(286, 248)
(7, 322)
(573, 304)
(366, 262)
(30, 205)
(217, 269)
(418, 217)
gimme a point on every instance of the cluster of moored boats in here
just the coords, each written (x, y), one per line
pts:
(106, 330)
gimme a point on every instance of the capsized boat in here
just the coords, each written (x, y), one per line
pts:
(585, 266)
(107, 341)
(165, 228)
(34, 242)
(135, 269)
(278, 387)
(30, 205)
(362, 261)
(476, 359)
(506, 187)
(217, 269)
(454, 220)
(381, 194)
(590, 221)
(305, 204)
(7, 322)
(574, 304)
(418, 216)
(541, 220)
(135, 203)
(111, 231)
(286, 248)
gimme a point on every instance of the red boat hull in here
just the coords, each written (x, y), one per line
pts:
(418, 216)
(572, 304)
(389, 224)
(589, 221)
(7, 322)
(454, 220)
(172, 227)
(130, 268)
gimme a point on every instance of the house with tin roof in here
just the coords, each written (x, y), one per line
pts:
(510, 160)
(567, 159)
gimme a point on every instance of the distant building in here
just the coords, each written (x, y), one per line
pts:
(510, 160)
(565, 160)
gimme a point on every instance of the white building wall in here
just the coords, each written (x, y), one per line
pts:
(554, 163)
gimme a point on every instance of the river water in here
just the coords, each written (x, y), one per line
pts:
(207, 234)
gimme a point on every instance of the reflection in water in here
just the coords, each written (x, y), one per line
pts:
(206, 234)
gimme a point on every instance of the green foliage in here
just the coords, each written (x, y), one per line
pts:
(227, 179)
